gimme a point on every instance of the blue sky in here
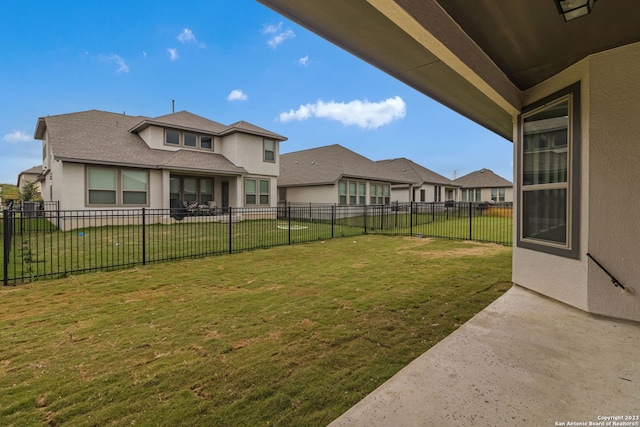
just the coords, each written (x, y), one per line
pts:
(226, 60)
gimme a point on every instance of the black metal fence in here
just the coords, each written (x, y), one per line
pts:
(50, 243)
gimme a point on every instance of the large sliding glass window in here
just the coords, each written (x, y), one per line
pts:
(548, 163)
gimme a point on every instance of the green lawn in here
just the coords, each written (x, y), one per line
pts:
(293, 335)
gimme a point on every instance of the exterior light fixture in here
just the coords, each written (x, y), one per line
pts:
(572, 9)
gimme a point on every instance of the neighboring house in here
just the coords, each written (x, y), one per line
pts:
(484, 186)
(425, 186)
(31, 175)
(334, 174)
(97, 160)
(516, 69)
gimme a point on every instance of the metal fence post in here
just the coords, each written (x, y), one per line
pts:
(364, 211)
(470, 220)
(144, 238)
(6, 245)
(230, 232)
(333, 218)
(289, 217)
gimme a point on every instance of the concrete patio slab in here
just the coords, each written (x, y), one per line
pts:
(525, 360)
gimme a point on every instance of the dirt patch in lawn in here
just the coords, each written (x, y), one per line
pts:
(421, 247)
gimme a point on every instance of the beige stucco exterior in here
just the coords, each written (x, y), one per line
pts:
(328, 193)
(608, 223)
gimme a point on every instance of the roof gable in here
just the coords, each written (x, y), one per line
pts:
(182, 120)
(247, 127)
(483, 178)
(328, 164)
(416, 173)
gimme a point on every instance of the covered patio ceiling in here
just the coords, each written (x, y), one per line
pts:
(476, 57)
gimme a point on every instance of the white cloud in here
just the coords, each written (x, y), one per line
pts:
(271, 28)
(173, 53)
(187, 36)
(280, 36)
(304, 61)
(277, 40)
(237, 95)
(118, 60)
(17, 136)
(365, 114)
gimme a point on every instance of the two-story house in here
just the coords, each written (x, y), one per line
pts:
(101, 160)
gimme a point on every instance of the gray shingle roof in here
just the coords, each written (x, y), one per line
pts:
(483, 178)
(36, 170)
(182, 120)
(416, 173)
(109, 138)
(328, 164)
(245, 127)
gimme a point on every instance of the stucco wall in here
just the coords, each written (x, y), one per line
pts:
(247, 151)
(614, 202)
(313, 194)
(401, 194)
(560, 278)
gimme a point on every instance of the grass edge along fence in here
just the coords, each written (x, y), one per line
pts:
(55, 243)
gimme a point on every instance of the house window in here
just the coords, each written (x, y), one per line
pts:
(497, 194)
(353, 195)
(112, 186)
(269, 150)
(134, 187)
(342, 192)
(362, 193)
(548, 181)
(472, 195)
(191, 188)
(188, 139)
(380, 194)
(423, 195)
(256, 190)
(172, 137)
(206, 142)
(102, 185)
